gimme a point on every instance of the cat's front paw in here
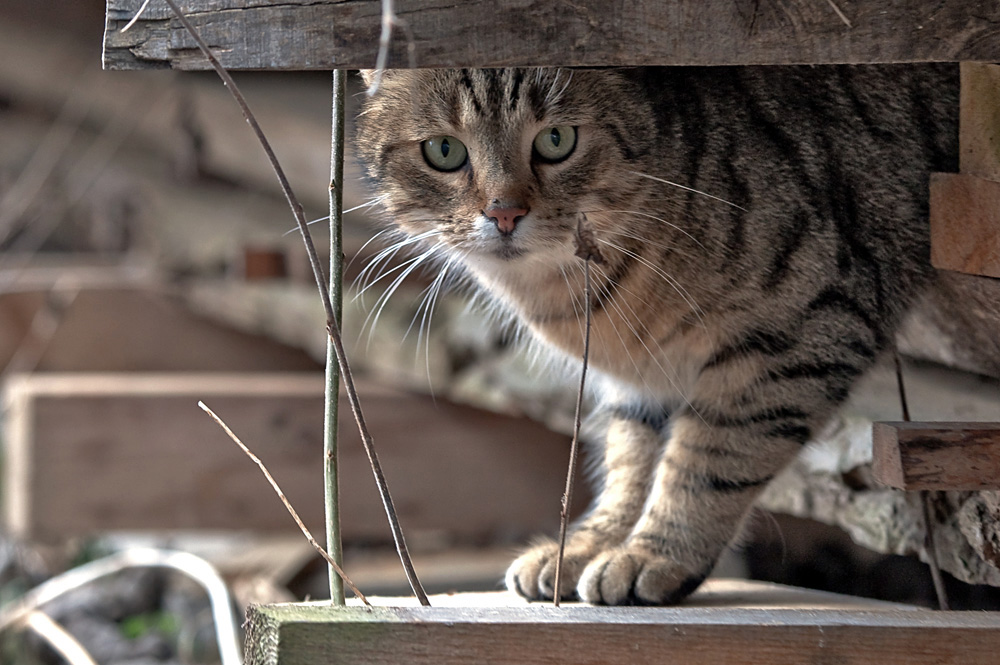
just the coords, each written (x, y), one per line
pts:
(533, 574)
(631, 575)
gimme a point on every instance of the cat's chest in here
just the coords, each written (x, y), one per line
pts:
(641, 337)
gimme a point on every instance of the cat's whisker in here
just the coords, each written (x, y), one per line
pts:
(605, 289)
(653, 217)
(688, 189)
(681, 291)
(366, 278)
(671, 376)
(367, 204)
(573, 301)
(372, 319)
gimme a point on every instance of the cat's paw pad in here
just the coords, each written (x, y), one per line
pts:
(533, 574)
(633, 576)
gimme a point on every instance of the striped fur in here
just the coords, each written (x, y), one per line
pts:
(763, 229)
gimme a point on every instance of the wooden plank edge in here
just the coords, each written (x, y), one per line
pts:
(961, 456)
(301, 36)
(300, 633)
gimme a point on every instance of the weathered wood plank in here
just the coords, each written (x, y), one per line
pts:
(937, 456)
(741, 633)
(90, 453)
(965, 224)
(327, 34)
(979, 121)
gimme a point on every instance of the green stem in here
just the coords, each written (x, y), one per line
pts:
(331, 495)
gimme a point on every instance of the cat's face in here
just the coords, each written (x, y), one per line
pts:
(497, 165)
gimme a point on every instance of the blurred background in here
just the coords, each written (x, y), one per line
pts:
(146, 263)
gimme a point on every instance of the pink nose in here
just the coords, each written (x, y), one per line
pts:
(505, 218)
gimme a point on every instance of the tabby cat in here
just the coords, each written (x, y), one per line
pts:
(762, 230)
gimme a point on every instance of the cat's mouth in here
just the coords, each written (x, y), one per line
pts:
(507, 249)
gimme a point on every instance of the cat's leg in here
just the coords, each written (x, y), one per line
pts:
(743, 425)
(631, 449)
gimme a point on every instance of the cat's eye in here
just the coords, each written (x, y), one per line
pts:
(555, 144)
(444, 153)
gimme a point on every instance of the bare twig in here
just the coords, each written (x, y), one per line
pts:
(930, 547)
(331, 414)
(333, 329)
(586, 249)
(291, 510)
(59, 639)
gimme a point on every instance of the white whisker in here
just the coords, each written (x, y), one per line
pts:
(670, 280)
(688, 189)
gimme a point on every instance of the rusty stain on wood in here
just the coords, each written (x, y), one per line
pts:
(937, 456)
(318, 34)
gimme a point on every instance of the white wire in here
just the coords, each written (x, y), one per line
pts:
(194, 567)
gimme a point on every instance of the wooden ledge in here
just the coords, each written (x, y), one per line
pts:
(762, 624)
(936, 456)
(327, 34)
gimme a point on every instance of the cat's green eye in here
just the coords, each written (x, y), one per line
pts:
(444, 153)
(555, 144)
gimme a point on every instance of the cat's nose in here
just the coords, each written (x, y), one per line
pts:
(505, 218)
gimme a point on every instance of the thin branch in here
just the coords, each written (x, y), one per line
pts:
(333, 330)
(288, 505)
(930, 546)
(586, 249)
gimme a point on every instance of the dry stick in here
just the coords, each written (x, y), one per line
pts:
(925, 503)
(587, 250)
(332, 329)
(331, 497)
(288, 505)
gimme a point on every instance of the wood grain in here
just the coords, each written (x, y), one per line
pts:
(979, 121)
(965, 224)
(328, 34)
(749, 631)
(937, 456)
(91, 453)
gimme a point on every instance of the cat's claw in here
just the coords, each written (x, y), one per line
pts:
(635, 576)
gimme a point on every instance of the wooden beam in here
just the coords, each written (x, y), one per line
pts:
(965, 224)
(327, 34)
(95, 452)
(937, 456)
(739, 628)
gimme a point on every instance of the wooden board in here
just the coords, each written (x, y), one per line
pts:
(937, 456)
(755, 623)
(965, 224)
(328, 34)
(979, 120)
(90, 453)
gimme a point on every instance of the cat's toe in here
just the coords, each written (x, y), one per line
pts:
(632, 576)
(533, 574)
